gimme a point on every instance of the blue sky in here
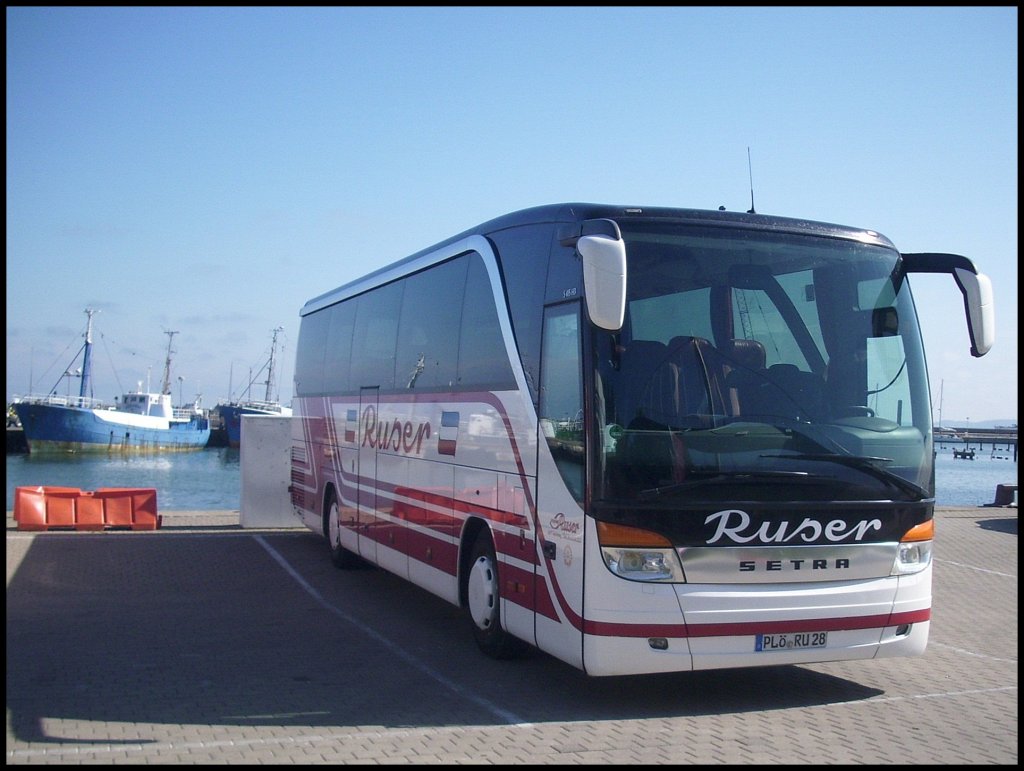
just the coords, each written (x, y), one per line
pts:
(208, 170)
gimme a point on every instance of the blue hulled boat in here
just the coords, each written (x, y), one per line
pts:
(140, 422)
(231, 412)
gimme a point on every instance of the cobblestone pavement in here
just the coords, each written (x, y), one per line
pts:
(203, 642)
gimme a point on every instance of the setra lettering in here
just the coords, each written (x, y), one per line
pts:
(751, 566)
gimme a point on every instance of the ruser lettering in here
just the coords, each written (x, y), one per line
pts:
(734, 525)
(397, 435)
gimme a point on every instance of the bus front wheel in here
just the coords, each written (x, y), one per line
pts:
(483, 602)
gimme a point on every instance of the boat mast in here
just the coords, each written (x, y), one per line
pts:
(84, 388)
(166, 388)
(270, 365)
(942, 385)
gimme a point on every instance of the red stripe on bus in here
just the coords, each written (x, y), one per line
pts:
(608, 629)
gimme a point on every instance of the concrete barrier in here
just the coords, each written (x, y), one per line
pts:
(1006, 495)
(69, 508)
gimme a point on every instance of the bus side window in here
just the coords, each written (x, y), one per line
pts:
(309, 360)
(483, 359)
(561, 394)
(376, 334)
(428, 333)
(337, 351)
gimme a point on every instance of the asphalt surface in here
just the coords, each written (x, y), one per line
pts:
(203, 642)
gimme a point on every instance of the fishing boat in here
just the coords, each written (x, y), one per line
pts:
(231, 412)
(141, 422)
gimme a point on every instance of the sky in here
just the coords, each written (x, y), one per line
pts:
(206, 171)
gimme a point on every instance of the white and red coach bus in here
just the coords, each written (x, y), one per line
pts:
(639, 439)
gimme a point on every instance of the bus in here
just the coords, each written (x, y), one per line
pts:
(641, 440)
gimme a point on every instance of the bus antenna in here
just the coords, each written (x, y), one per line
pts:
(750, 172)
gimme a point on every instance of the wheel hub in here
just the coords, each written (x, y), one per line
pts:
(483, 592)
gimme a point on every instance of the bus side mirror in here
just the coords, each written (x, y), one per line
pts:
(975, 287)
(981, 315)
(604, 279)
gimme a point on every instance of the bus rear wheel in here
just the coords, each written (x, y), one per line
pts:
(340, 556)
(483, 602)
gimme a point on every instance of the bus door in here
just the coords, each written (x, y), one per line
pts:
(560, 485)
(366, 474)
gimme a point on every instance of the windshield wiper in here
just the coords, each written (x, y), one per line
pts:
(723, 476)
(865, 463)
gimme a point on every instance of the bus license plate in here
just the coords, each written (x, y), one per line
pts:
(791, 641)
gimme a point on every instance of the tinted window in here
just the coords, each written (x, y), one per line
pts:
(376, 334)
(483, 360)
(662, 318)
(561, 403)
(309, 355)
(428, 334)
(523, 253)
(437, 329)
(338, 348)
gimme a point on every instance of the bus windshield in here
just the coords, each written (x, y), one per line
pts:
(759, 365)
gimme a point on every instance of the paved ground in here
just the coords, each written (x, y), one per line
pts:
(202, 642)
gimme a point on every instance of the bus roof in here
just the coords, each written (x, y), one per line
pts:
(568, 213)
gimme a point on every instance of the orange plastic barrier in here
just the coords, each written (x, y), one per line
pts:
(49, 508)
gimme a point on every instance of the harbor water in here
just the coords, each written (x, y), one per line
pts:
(210, 479)
(965, 482)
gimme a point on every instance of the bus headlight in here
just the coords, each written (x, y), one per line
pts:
(912, 558)
(914, 552)
(638, 555)
(642, 564)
